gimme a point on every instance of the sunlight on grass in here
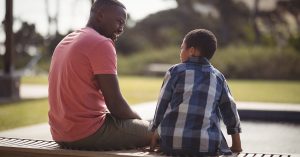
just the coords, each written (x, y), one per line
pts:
(25, 112)
(41, 79)
(137, 89)
(265, 91)
(140, 89)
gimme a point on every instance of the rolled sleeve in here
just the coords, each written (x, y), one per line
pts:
(229, 111)
(231, 131)
(163, 101)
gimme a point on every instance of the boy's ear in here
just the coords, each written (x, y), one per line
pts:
(193, 51)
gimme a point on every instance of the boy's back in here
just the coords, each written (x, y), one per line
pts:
(193, 98)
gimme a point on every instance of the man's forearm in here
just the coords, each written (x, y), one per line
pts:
(123, 111)
(116, 104)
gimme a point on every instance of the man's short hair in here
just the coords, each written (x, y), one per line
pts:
(103, 3)
(203, 40)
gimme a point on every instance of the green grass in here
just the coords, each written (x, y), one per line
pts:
(266, 91)
(41, 79)
(137, 89)
(26, 112)
(140, 89)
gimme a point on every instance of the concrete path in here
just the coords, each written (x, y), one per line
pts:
(42, 131)
(33, 91)
(264, 137)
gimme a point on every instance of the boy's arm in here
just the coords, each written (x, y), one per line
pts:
(154, 140)
(229, 111)
(230, 117)
(163, 101)
(236, 143)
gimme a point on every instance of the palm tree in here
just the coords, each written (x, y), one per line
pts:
(293, 7)
(254, 22)
(52, 20)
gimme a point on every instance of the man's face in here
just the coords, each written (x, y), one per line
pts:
(112, 22)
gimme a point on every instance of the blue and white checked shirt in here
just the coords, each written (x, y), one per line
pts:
(193, 98)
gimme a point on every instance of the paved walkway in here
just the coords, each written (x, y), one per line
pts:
(33, 91)
(256, 137)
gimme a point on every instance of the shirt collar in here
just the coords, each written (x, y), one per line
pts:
(199, 60)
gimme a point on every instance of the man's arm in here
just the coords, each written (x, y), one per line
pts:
(116, 104)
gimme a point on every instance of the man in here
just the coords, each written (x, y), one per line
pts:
(87, 109)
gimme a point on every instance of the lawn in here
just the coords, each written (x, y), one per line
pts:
(141, 89)
(26, 112)
(138, 89)
(266, 91)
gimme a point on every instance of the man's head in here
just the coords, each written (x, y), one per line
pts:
(201, 41)
(108, 17)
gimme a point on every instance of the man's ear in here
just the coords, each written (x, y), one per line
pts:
(99, 15)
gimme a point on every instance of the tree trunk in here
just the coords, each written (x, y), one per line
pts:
(9, 56)
(257, 39)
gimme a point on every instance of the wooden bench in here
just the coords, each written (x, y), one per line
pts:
(15, 147)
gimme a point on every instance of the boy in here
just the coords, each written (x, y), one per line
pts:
(193, 98)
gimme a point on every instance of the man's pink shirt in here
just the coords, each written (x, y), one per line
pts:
(77, 107)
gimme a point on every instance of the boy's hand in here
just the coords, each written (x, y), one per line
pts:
(236, 149)
(154, 140)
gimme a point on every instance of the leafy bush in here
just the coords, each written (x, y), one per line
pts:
(258, 63)
(294, 41)
(137, 63)
(241, 62)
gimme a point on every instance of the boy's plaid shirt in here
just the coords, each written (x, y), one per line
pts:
(193, 98)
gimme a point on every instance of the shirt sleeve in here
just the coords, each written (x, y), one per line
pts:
(162, 103)
(229, 111)
(103, 58)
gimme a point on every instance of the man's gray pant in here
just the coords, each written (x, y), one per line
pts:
(115, 134)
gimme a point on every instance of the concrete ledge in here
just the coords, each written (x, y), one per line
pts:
(276, 116)
(277, 112)
(247, 111)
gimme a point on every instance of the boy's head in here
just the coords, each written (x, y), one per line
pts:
(199, 42)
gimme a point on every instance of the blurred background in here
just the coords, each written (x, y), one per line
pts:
(258, 52)
(258, 39)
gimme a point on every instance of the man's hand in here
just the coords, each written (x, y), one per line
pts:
(154, 139)
(116, 104)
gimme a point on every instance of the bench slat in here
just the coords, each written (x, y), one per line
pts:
(13, 152)
(14, 147)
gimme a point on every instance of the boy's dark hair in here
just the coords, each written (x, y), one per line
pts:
(103, 3)
(203, 40)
